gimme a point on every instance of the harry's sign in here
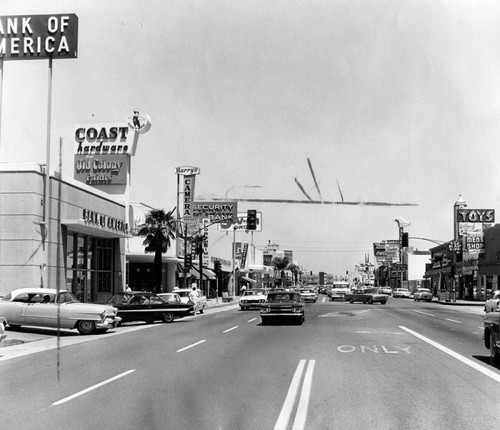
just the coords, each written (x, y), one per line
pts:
(28, 37)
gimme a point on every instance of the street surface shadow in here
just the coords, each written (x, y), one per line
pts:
(485, 360)
(41, 331)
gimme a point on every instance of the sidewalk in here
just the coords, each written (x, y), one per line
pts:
(462, 303)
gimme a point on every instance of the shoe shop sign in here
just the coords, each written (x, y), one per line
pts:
(34, 37)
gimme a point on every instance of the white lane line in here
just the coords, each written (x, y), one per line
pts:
(324, 299)
(190, 346)
(459, 357)
(424, 313)
(253, 319)
(455, 321)
(229, 329)
(286, 410)
(300, 417)
(107, 381)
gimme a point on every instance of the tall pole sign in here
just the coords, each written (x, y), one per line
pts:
(39, 37)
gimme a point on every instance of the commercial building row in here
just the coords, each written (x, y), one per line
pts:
(80, 238)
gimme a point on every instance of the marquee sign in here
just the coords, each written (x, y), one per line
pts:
(27, 37)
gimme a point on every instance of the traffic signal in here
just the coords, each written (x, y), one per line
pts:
(251, 219)
(217, 266)
(188, 262)
(404, 240)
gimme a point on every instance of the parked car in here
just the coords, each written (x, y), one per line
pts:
(369, 295)
(422, 294)
(2, 329)
(41, 307)
(493, 304)
(308, 295)
(184, 293)
(252, 299)
(322, 289)
(491, 336)
(148, 307)
(402, 293)
(282, 306)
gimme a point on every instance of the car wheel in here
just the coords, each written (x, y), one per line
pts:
(168, 317)
(494, 354)
(370, 301)
(264, 322)
(351, 301)
(85, 327)
(383, 302)
(202, 310)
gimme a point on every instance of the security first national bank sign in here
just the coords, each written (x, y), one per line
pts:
(26, 37)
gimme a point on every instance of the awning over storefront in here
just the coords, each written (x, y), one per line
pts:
(261, 268)
(80, 226)
(194, 271)
(244, 278)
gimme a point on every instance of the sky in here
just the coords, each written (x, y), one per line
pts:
(394, 101)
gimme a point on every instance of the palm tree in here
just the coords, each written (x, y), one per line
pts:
(295, 269)
(158, 229)
(281, 264)
(197, 243)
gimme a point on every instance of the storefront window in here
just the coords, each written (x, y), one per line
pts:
(89, 267)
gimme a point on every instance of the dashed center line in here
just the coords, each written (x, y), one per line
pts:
(190, 346)
(455, 321)
(424, 313)
(229, 329)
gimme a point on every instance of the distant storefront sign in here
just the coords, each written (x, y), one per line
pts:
(215, 211)
(240, 223)
(32, 37)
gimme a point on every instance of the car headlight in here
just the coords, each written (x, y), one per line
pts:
(296, 309)
(103, 316)
(265, 310)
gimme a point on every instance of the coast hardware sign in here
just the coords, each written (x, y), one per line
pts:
(25, 37)
(102, 153)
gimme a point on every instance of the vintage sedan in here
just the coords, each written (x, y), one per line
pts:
(493, 303)
(41, 307)
(403, 293)
(422, 294)
(308, 295)
(282, 306)
(2, 329)
(491, 336)
(148, 307)
(369, 296)
(253, 298)
(201, 302)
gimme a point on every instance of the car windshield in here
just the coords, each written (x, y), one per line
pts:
(424, 290)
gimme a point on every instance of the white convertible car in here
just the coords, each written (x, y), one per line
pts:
(41, 306)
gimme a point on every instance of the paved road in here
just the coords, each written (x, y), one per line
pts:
(403, 365)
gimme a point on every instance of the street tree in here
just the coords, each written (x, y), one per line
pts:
(158, 230)
(281, 264)
(198, 245)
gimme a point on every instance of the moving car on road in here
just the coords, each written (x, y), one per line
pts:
(308, 295)
(493, 304)
(422, 294)
(282, 306)
(385, 290)
(41, 306)
(491, 337)
(401, 292)
(252, 299)
(339, 290)
(369, 295)
(2, 329)
(148, 307)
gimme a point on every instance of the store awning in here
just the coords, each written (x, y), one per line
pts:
(252, 281)
(261, 268)
(194, 271)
